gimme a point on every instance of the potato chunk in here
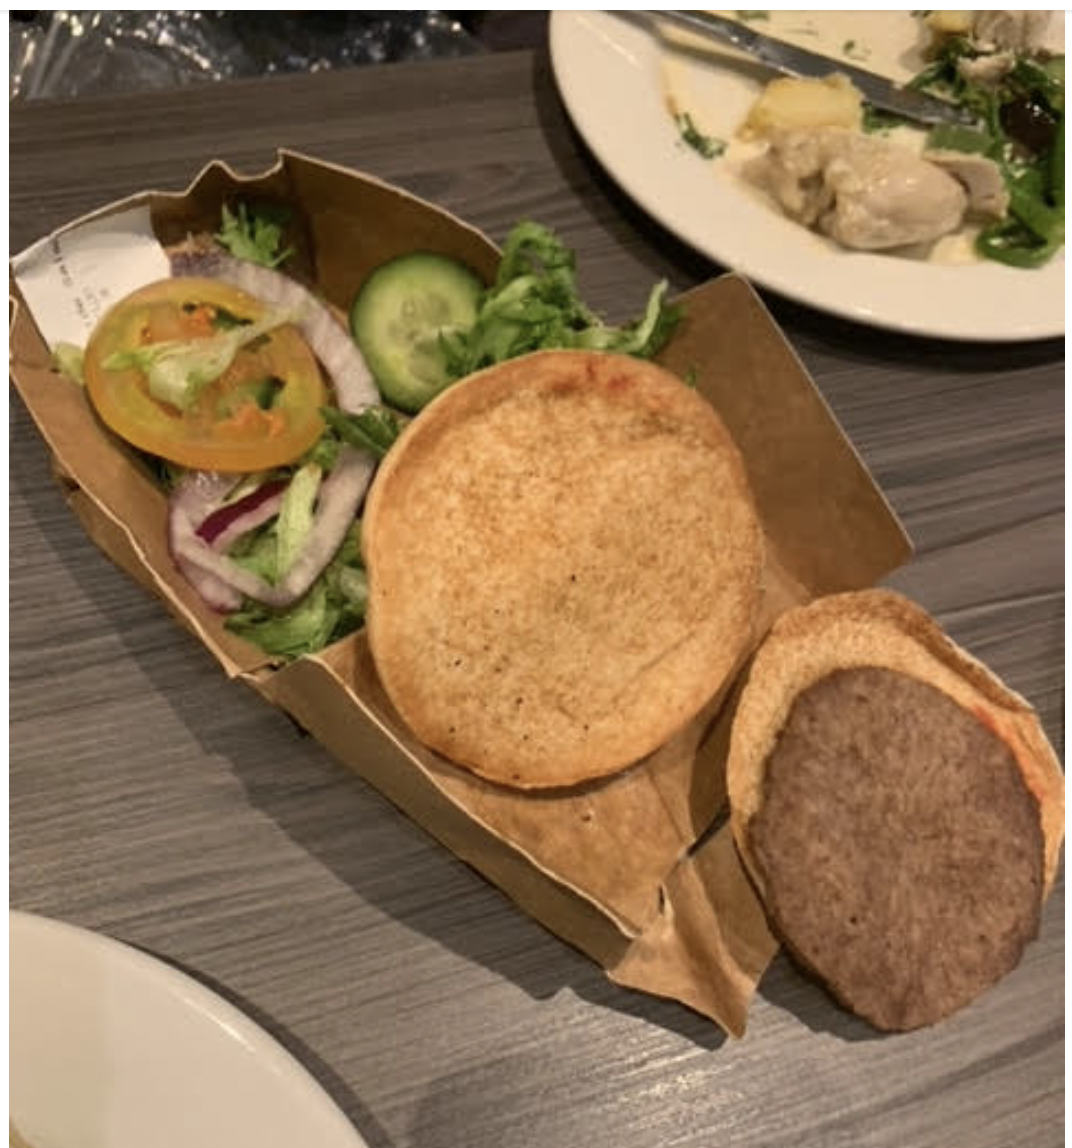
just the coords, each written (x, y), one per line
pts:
(791, 104)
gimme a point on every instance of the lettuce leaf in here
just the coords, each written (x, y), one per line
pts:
(254, 234)
(177, 370)
(333, 607)
(535, 305)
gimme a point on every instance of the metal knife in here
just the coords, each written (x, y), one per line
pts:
(878, 91)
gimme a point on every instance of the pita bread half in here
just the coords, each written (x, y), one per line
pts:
(564, 565)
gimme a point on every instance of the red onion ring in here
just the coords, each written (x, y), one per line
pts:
(217, 578)
(339, 500)
(195, 498)
(233, 519)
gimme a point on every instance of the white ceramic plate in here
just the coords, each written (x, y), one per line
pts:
(111, 1048)
(614, 76)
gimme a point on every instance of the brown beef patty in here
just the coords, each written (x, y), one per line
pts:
(901, 850)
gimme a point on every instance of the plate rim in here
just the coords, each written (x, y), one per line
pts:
(188, 991)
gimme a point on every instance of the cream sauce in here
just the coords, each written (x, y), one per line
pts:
(892, 45)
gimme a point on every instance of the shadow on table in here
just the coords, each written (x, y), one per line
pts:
(460, 910)
(787, 988)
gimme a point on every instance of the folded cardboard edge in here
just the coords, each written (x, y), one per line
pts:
(706, 947)
(575, 918)
(309, 691)
(710, 944)
(811, 482)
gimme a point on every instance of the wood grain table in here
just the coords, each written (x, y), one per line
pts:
(155, 801)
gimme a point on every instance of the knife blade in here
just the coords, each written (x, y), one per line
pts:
(879, 91)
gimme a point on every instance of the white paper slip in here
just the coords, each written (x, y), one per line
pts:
(71, 277)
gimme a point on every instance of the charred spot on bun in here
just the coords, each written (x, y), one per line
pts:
(899, 810)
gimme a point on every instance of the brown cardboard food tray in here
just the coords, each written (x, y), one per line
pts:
(637, 871)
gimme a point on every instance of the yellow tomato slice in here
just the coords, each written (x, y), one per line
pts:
(262, 412)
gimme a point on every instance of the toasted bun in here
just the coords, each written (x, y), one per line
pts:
(899, 809)
(564, 565)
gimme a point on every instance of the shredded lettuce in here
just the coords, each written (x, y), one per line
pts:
(295, 518)
(178, 370)
(333, 607)
(68, 359)
(305, 628)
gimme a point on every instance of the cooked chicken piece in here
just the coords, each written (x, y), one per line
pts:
(981, 177)
(987, 70)
(1012, 31)
(862, 191)
(1001, 36)
(791, 171)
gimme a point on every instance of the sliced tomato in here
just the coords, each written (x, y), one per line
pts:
(264, 411)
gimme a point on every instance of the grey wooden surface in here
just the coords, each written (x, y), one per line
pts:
(152, 799)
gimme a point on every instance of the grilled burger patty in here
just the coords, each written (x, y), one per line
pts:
(900, 848)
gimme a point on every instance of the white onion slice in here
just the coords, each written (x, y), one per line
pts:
(340, 356)
(340, 498)
(194, 499)
(220, 580)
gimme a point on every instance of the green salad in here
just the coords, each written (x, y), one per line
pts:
(1021, 127)
(277, 550)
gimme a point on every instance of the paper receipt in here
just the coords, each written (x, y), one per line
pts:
(71, 277)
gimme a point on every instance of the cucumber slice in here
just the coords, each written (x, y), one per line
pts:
(398, 315)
